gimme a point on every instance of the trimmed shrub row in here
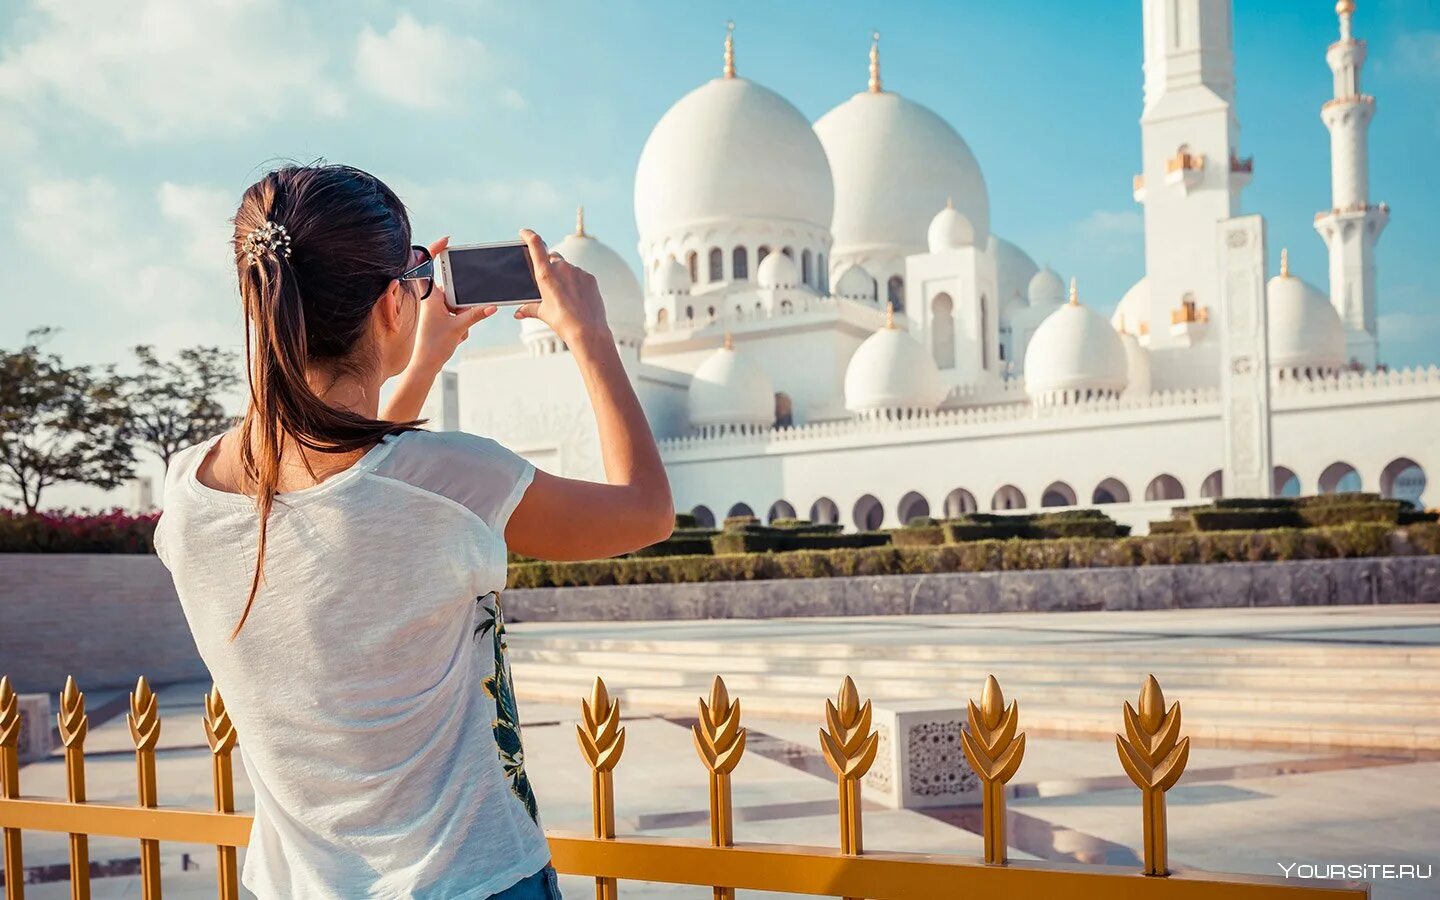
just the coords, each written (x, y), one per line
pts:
(1356, 540)
(1257, 513)
(65, 532)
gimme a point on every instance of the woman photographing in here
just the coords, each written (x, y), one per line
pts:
(340, 568)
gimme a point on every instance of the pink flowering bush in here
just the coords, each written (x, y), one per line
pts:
(64, 531)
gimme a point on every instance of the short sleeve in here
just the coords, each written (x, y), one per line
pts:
(476, 472)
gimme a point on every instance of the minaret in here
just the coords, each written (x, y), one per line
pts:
(1193, 174)
(1352, 225)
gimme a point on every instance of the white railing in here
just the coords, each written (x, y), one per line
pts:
(1346, 382)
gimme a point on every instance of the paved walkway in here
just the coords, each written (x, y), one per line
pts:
(1237, 809)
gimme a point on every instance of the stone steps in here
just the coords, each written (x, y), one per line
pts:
(670, 668)
(1205, 727)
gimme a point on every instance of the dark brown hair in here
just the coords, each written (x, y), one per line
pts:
(307, 301)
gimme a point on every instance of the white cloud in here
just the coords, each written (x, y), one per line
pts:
(424, 66)
(1418, 53)
(154, 268)
(158, 69)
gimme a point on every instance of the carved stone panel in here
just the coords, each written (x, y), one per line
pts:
(1245, 359)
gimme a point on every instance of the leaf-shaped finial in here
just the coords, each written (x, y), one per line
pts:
(1151, 750)
(719, 739)
(219, 730)
(71, 719)
(601, 738)
(848, 743)
(9, 714)
(144, 716)
(991, 742)
(848, 701)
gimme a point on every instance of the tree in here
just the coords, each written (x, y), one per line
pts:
(59, 423)
(176, 404)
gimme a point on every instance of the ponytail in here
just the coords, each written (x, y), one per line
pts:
(316, 246)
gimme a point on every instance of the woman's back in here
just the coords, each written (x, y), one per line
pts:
(376, 719)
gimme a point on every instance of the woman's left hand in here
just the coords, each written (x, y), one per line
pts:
(440, 331)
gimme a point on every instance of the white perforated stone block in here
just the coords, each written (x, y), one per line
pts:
(920, 762)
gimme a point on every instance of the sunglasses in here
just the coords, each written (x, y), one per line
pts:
(424, 272)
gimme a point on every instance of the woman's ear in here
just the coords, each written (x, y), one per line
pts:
(391, 309)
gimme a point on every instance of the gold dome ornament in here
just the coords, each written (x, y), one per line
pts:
(730, 49)
(875, 63)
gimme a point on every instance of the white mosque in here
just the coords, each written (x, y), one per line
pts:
(828, 328)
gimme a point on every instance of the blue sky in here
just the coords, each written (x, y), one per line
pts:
(128, 131)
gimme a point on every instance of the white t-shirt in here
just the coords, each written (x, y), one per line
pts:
(369, 688)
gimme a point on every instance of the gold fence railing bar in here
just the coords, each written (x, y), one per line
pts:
(1152, 752)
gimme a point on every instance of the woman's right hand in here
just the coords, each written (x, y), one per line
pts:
(570, 300)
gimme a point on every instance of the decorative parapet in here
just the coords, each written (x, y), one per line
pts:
(1188, 313)
(1242, 165)
(899, 422)
(726, 311)
(1184, 169)
(1358, 382)
(1137, 188)
(1352, 100)
(1354, 208)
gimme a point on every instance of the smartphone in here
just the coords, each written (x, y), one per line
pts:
(487, 274)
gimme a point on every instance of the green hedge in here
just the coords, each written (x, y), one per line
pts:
(1355, 540)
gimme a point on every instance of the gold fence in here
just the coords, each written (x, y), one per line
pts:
(1151, 749)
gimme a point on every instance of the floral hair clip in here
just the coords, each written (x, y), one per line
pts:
(268, 238)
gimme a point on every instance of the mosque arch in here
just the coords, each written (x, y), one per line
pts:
(789, 251)
(760, 255)
(662, 317)
(780, 509)
(1164, 487)
(805, 273)
(740, 509)
(1058, 494)
(704, 518)
(1339, 478)
(913, 505)
(868, 513)
(784, 410)
(824, 512)
(1213, 487)
(692, 263)
(1285, 482)
(822, 273)
(895, 292)
(942, 330)
(739, 264)
(1403, 479)
(959, 502)
(689, 312)
(1111, 490)
(717, 264)
(1008, 497)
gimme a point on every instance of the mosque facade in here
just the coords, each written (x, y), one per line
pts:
(825, 325)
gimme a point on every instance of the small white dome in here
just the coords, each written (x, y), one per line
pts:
(894, 163)
(731, 149)
(1074, 350)
(857, 284)
(729, 389)
(1137, 366)
(671, 278)
(1046, 288)
(1305, 330)
(950, 230)
(1014, 270)
(619, 288)
(777, 271)
(890, 370)
(1132, 315)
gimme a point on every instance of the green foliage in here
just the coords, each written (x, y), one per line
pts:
(59, 424)
(918, 535)
(685, 520)
(737, 523)
(1353, 540)
(1252, 518)
(174, 404)
(922, 522)
(1377, 510)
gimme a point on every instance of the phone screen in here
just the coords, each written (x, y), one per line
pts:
(498, 274)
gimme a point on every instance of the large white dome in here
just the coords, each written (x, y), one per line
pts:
(777, 270)
(895, 163)
(729, 389)
(890, 370)
(856, 283)
(672, 277)
(1014, 270)
(1046, 288)
(1305, 330)
(1132, 315)
(1137, 366)
(620, 289)
(1074, 352)
(731, 149)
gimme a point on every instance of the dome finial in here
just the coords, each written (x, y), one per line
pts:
(1285, 263)
(890, 314)
(729, 343)
(730, 49)
(1074, 293)
(949, 202)
(580, 222)
(875, 63)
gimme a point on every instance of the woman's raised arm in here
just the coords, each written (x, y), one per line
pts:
(565, 518)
